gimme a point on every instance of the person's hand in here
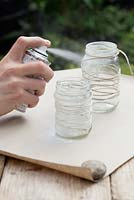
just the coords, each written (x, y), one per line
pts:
(14, 83)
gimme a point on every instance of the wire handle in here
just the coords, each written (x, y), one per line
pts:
(126, 57)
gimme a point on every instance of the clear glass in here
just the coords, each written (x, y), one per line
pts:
(73, 103)
(100, 66)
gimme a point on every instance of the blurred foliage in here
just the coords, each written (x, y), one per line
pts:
(72, 24)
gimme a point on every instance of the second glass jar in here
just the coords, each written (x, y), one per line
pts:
(100, 66)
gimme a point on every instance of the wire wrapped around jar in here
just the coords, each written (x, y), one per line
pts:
(100, 66)
(73, 103)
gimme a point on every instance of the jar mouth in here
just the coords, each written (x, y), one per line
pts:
(73, 82)
(101, 49)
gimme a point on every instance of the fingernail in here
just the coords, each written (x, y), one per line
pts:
(48, 42)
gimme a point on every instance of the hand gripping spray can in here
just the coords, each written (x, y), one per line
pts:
(34, 54)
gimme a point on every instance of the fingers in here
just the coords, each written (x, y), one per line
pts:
(22, 43)
(29, 99)
(17, 91)
(15, 85)
(24, 97)
(35, 68)
(38, 86)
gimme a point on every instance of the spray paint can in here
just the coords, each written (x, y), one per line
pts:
(34, 54)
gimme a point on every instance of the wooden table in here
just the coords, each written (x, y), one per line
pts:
(25, 181)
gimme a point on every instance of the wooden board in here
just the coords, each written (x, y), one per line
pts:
(25, 181)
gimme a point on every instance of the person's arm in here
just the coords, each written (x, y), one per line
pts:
(13, 81)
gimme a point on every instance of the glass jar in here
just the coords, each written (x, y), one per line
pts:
(73, 103)
(100, 65)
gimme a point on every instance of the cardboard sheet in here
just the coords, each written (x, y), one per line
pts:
(31, 136)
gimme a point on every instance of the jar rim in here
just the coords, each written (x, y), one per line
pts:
(77, 82)
(102, 49)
